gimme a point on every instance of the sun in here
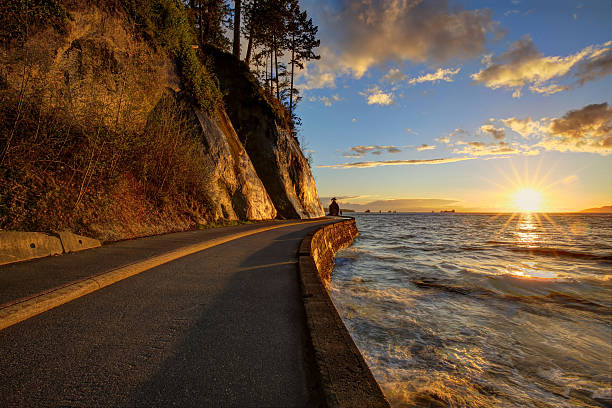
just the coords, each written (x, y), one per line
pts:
(527, 200)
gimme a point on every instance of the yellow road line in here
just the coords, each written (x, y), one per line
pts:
(19, 312)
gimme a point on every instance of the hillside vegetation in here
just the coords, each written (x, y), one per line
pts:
(97, 132)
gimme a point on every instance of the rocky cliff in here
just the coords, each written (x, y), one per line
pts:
(235, 190)
(274, 151)
(90, 140)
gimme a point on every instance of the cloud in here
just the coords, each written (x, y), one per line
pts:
(595, 67)
(497, 133)
(329, 100)
(405, 204)
(357, 152)
(588, 129)
(362, 149)
(524, 127)
(325, 200)
(350, 155)
(376, 96)
(487, 149)
(317, 80)
(570, 179)
(394, 75)
(395, 163)
(425, 147)
(440, 75)
(547, 89)
(456, 134)
(362, 34)
(523, 65)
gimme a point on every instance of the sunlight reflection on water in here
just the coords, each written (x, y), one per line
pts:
(482, 311)
(526, 230)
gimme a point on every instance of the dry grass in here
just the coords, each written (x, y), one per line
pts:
(91, 139)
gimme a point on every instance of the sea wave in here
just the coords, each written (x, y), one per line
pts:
(477, 311)
(559, 252)
(567, 300)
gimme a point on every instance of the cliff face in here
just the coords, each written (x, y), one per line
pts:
(91, 142)
(235, 190)
(275, 153)
(75, 155)
(293, 179)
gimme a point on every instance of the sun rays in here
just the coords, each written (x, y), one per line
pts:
(527, 200)
(526, 195)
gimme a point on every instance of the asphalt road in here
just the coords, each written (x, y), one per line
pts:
(222, 327)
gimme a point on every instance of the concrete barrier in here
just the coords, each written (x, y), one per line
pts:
(16, 246)
(20, 246)
(345, 377)
(73, 242)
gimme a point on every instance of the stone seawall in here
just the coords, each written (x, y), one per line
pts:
(345, 377)
(327, 241)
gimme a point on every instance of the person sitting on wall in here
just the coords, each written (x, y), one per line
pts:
(334, 208)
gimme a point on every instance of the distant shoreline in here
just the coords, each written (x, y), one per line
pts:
(479, 212)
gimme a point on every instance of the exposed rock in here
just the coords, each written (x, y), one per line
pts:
(275, 153)
(296, 181)
(235, 190)
(96, 152)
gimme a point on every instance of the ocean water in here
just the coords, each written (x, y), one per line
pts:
(476, 310)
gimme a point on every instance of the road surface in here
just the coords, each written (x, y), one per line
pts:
(222, 327)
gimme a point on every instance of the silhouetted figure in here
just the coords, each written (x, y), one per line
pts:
(334, 208)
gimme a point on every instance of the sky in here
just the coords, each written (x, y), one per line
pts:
(431, 105)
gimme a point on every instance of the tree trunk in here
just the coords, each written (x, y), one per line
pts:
(236, 44)
(266, 75)
(271, 73)
(201, 12)
(249, 50)
(292, 67)
(276, 69)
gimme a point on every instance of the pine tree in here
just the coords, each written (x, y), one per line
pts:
(303, 41)
(211, 18)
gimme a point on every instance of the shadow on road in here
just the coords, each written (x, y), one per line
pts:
(250, 345)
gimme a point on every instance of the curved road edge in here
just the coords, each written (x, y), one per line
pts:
(30, 307)
(344, 375)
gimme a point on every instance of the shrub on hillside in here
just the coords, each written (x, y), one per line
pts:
(88, 139)
(168, 26)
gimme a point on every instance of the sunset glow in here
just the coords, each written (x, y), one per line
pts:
(424, 106)
(527, 200)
